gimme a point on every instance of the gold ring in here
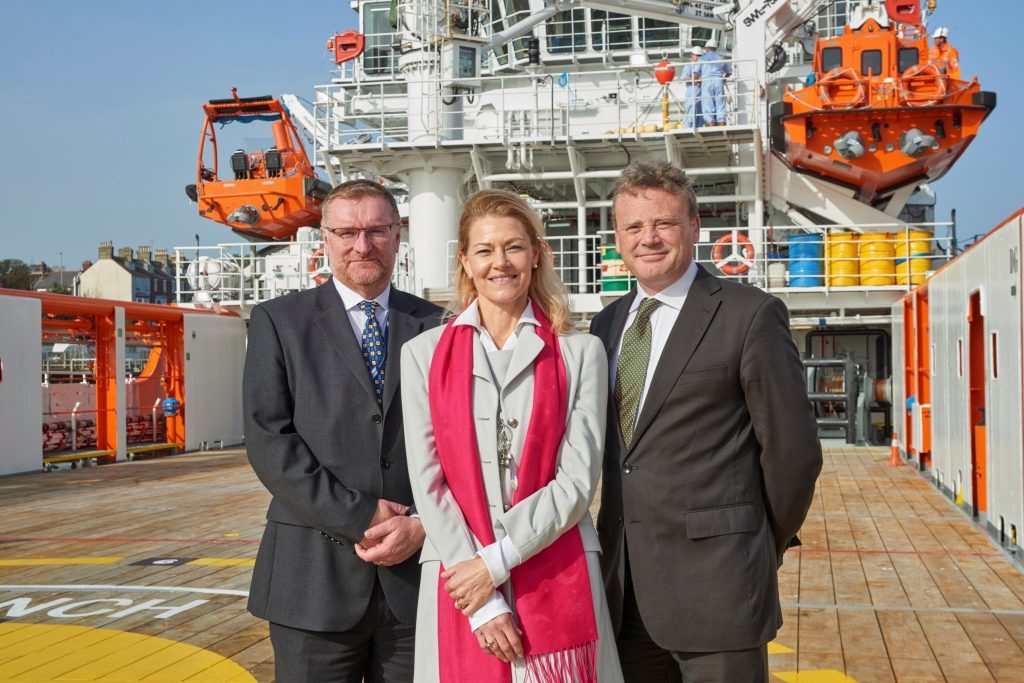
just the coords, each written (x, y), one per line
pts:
(491, 643)
(460, 604)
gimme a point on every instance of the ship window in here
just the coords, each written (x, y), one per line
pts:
(871, 63)
(654, 33)
(618, 28)
(907, 57)
(497, 26)
(700, 35)
(831, 58)
(513, 10)
(567, 32)
(377, 58)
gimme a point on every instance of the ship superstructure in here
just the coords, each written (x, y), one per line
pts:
(552, 99)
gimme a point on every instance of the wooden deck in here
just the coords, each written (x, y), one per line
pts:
(138, 571)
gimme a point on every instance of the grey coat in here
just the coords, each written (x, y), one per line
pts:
(535, 522)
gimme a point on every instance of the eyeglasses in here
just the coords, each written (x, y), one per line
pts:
(376, 233)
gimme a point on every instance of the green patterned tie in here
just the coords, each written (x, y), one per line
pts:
(631, 372)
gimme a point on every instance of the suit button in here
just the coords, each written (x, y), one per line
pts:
(620, 520)
(377, 419)
(627, 468)
(385, 463)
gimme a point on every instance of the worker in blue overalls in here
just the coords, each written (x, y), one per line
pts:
(714, 71)
(691, 77)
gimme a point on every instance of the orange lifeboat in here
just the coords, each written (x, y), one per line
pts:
(269, 192)
(878, 116)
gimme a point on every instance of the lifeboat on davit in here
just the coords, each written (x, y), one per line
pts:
(270, 192)
(878, 115)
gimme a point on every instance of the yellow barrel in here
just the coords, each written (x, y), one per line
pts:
(877, 259)
(913, 256)
(843, 267)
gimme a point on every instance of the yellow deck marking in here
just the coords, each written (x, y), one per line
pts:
(820, 676)
(110, 653)
(38, 653)
(776, 649)
(41, 561)
(223, 562)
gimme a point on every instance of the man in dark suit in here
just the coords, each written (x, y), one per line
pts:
(337, 572)
(711, 452)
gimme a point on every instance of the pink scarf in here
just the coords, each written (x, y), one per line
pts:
(553, 601)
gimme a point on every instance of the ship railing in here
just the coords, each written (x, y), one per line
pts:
(246, 273)
(568, 253)
(864, 257)
(527, 108)
(572, 36)
(781, 258)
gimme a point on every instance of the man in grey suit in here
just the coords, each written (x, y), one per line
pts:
(711, 452)
(337, 572)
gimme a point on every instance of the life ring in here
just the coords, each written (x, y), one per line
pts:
(741, 254)
(929, 74)
(313, 265)
(830, 83)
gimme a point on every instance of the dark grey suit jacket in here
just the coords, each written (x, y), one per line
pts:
(319, 443)
(720, 474)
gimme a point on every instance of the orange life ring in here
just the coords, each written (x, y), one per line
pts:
(737, 262)
(313, 265)
(911, 97)
(836, 79)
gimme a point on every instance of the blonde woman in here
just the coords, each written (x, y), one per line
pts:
(505, 413)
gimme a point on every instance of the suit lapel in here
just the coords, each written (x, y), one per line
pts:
(528, 347)
(334, 324)
(617, 324)
(698, 310)
(611, 337)
(403, 325)
(481, 368)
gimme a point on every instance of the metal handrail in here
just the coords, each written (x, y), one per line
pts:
(767, 251)
(510, 108)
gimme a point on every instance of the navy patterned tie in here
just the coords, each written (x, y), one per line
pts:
(373, 348)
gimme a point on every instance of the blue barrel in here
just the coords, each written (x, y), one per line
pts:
(805, 261)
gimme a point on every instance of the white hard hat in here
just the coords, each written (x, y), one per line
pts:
(941, 32)
(712, 44)
(696, 50)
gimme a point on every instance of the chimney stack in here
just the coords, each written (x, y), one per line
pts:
(162, 257)
(146, 253)
(86, 265)
(106, 250)
(126, 254)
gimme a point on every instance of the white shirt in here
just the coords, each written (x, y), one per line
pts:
(471, 316)
(663, 319)
(356, 317)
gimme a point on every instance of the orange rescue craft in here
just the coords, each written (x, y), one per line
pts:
(271, 192)
(879, 116)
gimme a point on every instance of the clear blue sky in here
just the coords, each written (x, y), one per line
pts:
(101, 111)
